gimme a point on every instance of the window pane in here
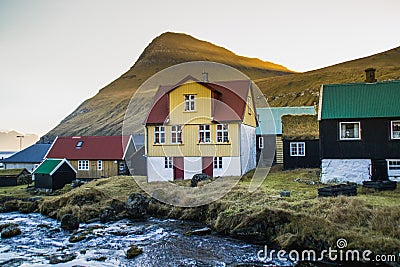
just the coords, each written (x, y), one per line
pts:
(349, 130)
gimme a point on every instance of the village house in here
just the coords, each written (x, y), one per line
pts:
(359, 127)
(269, 131)
(53, 174)
(300, 136)
(94, 156)
(201, 127)
(12, 177)
(28, 158)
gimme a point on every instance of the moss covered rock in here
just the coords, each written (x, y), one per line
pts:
(133, 251)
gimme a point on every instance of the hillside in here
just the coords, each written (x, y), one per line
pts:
(303, 88)
(104, 113)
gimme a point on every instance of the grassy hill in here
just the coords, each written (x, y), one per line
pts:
(303, 88)
(103, 114)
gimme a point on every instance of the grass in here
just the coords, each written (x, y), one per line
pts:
(15, 192)
(369, 220)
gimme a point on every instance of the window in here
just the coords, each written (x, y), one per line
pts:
(168, 162)
(393, 165)
(249, 104)
(99, 165)
(260, 142)
(176, 134)
(297, 149)
(159, 134)
(222, 133)
(217, 162)
(395, 129)
(83, 165)
(79, 144)
(204, 133)
(350, 131)
(190, 102)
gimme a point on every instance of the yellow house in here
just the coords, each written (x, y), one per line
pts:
(201, 127)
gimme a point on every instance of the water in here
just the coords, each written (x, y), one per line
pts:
(163, 243)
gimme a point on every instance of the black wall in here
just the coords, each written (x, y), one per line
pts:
(310, 160)
(64, 175)
(8, 181)
(375, 140)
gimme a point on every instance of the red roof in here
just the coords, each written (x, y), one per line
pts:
(229, 100)
(89, 147)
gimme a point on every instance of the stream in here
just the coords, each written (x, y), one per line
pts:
(44, 243)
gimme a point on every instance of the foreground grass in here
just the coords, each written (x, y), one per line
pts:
(368, 221)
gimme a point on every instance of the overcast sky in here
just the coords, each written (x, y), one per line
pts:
(55, 54)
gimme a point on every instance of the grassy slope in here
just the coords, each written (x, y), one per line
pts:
(303, 88)
(368, 221)
(104, 113)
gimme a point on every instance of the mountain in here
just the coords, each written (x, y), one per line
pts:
(10, 142)
(103, 114)
(303, 88)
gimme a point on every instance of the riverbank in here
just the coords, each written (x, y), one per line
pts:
(301, 221)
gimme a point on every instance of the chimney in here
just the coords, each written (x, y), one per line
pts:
(370, 75)
(205, 77)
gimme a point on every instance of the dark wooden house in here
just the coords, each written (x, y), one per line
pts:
(12, 177)
(360, 131)
(53, 174)
(300, 136)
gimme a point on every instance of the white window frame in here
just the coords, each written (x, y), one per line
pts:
(222, 129)
(217, 162)
(167, 162)
(204, 131)
(190, 103)
(83, 165)
(350, 138)
(99, 165)
(392, 136)
(249, 106)
(160, 132)
(176, 134)
(261, 142)
(296, 150)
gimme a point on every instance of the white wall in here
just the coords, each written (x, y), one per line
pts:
(192, 165)
(345, 170)
(230, 167)
(247, 148)
(156, 170)
(28, 166)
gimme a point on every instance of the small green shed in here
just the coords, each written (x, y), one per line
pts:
(53, 174)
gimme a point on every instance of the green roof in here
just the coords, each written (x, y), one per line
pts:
(47, 166)
(360, 100)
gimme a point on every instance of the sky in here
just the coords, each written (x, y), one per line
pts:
(54, 54)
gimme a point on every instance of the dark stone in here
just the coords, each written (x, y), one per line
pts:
(107, 216)
(11, 205)
(28, 207)
(202, 231)
(61, 258)
(6, 225)
(285, 193)
(133, 251)
(77, 238)
(137, 205)
(10, 232)
(69, 222)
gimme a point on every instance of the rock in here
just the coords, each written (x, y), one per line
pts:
(10, 232)
(6, 225)
(202, 231)
(107, 216)
(55, 259)
(137, 205)
(11, 205)
(77, 238)
(28, 206)
(133, 251)
(69, 222)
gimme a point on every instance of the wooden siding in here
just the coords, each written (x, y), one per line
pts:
(202, 113)
(279, 150)
(375, 142)
(190, 146)
(310, 160)
(110, 168)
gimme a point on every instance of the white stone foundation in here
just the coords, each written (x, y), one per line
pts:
(345, 170)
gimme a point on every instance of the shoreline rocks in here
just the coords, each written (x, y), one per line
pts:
(69, 222)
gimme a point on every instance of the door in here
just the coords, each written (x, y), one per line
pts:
(379, 170)
(178, 168)
(207, 165)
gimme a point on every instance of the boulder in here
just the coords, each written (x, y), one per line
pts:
(10, 232)
(133, 251)
(137, 205)
(69, 222)
(202, 231)
(77, 238)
